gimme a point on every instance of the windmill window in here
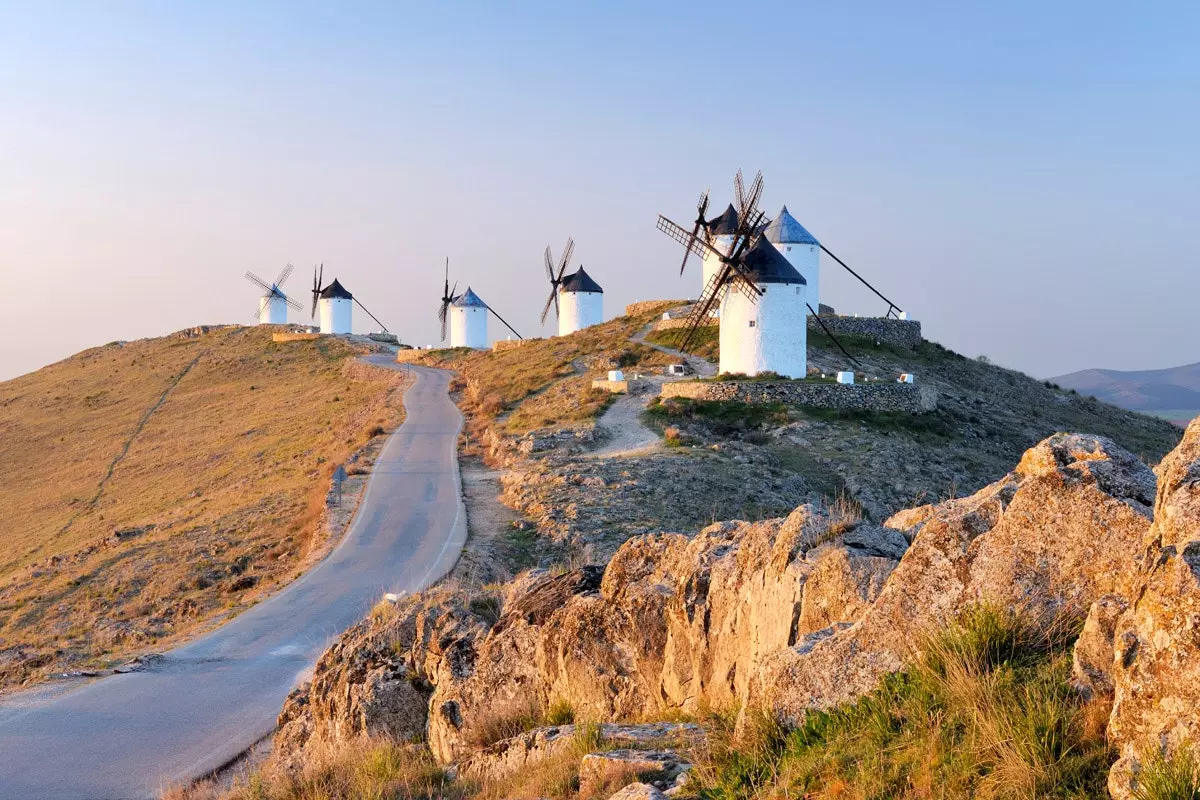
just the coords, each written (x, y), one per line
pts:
(797, 290)
(789, 248)
(751, 323)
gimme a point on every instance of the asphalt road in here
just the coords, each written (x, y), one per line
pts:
(125, 737)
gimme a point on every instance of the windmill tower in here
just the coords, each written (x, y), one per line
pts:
(273, 305)
(581, 303)
(800, 248)
(767, 332)
(720, 232)
(467, 316)
(336, 306)
(468, 321)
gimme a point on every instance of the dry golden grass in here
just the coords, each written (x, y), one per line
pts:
(224, 443)
(546, 382)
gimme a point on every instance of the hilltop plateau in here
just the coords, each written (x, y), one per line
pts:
(889, 606)
(156, 487)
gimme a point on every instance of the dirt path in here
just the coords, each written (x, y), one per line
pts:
(622, 422)
(702, 367)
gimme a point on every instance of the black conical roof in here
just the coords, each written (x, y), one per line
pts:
(764, 264)
(580, 281)
(336, 290)
(725, 224)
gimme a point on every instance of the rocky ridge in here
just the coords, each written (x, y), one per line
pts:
(803, 612)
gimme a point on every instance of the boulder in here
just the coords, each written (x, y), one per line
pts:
(658, 768)
(376, 680)
(1155, 659)
(524, 751)
(638, 791)
(1053, 536)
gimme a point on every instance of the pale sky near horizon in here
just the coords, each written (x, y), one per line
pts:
(1021, 179)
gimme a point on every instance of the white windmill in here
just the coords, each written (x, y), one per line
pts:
(577, 299)
(466, 315)
(336, 305)
(273, 305)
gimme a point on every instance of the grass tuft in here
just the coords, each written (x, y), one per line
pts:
(1173, 778)
(985, 712)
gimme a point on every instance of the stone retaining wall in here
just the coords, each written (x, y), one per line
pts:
(501, 345)
(897, 332)
(633, 309)
(293, 336)
(905, 397)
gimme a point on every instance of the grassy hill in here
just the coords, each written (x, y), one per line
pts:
(153, 487)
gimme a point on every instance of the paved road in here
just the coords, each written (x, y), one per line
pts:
(125, 737)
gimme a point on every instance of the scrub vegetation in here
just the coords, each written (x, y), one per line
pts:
(159, 486)
(986, 712)
(546, 382)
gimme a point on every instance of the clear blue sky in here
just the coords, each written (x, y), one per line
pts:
(1021, 178)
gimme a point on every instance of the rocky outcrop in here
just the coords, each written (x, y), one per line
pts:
(1155, 652)
(376, 680)
(516, 754)
(1055, 535)
(674, 623)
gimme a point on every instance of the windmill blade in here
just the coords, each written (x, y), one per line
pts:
(552, 301)
(316, 289)
(748, 199)
(453, 293)
(568, 251)
(372, 316)
(549, 264)
(685, 238)
(284, 274)
(259, 282)
(442, 318)
(708, 298)
(702, 206)
(829, 333)
(446, 283)
(292, 303)
(510, 327)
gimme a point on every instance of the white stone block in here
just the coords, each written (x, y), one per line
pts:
(616, 375)
(908, 377)
(846, 378)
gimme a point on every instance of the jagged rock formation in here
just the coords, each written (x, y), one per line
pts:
(1056, 534)
(1154, 648)
(672, 622)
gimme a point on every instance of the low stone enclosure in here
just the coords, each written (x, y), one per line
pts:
(885, 330)
(909, 398)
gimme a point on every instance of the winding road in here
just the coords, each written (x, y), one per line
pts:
(125, 737)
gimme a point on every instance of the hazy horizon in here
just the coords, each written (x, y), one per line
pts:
(1021, 180)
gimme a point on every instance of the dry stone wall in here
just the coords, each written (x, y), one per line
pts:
(902, 397)
(896, 332)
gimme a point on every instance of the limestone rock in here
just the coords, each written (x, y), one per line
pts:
(510, 756)
(655, 767)
(377, 678)
(638, 791)
(1092, 659)
(1056, 534)
(1156, 643)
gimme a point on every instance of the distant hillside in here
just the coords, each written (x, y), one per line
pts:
(154, 486)
(1173, 392)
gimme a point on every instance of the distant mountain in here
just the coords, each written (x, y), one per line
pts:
(1176, 389)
